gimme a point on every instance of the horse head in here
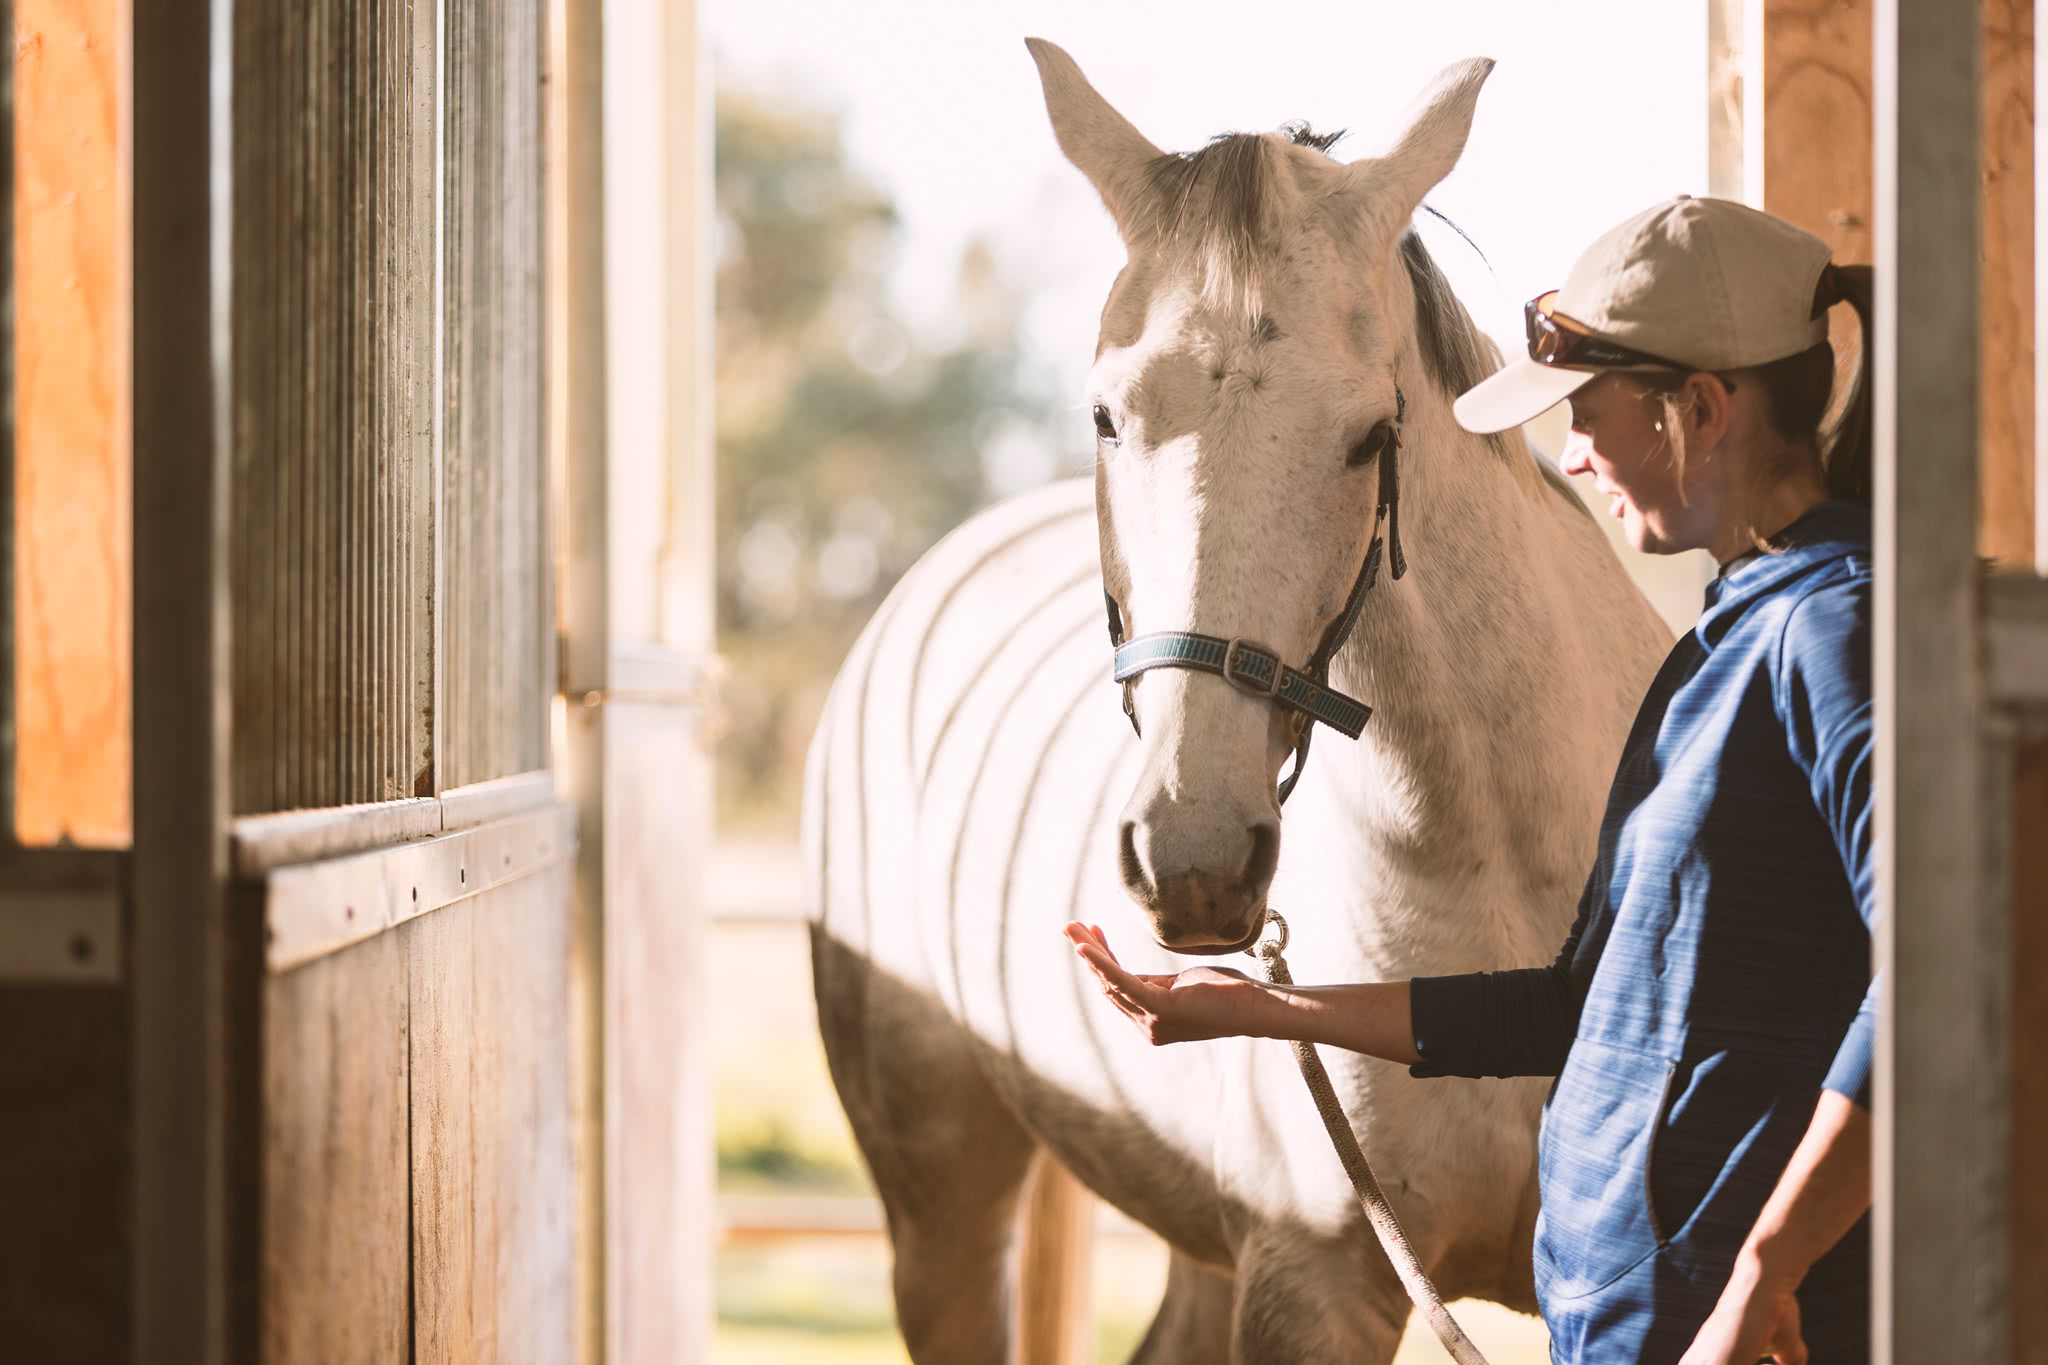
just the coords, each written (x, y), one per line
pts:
(1246, 389)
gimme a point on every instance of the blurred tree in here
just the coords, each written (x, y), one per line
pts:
(847, 441)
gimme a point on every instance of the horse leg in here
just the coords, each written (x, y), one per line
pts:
(1192, 1326)
(947, 1155)
(1304, 1300)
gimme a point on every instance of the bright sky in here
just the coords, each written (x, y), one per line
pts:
(1597, 108)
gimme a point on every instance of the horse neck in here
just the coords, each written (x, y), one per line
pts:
(1459, 657)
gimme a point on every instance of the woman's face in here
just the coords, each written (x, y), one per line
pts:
(1617, 436)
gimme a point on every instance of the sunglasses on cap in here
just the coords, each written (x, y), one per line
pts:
(1555, 339)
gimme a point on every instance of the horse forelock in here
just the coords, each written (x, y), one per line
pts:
(1216, 208)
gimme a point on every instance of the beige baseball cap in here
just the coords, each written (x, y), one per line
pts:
(1695, 284)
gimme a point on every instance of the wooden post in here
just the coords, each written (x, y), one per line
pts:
(192, 1209)
(635, 524)
(1056, 1267)
(1940, 1219)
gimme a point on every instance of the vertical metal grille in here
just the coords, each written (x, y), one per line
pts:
(499, 667)
(335, 505)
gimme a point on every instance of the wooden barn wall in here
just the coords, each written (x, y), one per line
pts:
(69, 559)
(331, 568)
(1814, 69)
(498, 627)
(418, 1168)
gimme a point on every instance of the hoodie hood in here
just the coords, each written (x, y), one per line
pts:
(1826, 541)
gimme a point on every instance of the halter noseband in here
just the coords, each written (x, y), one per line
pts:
(1260, 672)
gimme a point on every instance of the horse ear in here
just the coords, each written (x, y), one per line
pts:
(1394, 183)
(1095, 137)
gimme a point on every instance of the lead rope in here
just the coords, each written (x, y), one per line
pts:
(1377, 1211)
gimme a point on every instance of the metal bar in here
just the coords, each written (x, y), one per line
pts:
(186, 1216)
(1941, 1048)
(60, 937)
(313, 909)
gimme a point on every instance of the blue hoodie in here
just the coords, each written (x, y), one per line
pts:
(1718, 976)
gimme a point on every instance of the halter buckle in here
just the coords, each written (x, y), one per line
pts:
(1233, 653)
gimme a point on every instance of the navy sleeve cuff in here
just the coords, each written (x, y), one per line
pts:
(1512, 1023)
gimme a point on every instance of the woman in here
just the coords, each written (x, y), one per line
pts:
(1705, 1156)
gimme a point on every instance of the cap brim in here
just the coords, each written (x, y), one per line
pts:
(1514, 395)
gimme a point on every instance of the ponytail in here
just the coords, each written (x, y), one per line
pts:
(1846, 446)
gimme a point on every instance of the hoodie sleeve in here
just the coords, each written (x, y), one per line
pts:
(1512, 1023)
(1824, 699)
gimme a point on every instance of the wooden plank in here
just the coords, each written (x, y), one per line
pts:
(2029, 1068)
(497, 799)
(336, 1177)
(71, 471)
(525, 1178)
(2006, 415)
(445, 1037)
(576, 415)
(1939, 1243)
(658, 1204)
(264, 842)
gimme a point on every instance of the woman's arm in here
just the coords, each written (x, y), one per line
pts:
(1215, 1002)
(1824, 1190)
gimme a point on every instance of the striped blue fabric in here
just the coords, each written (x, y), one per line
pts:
(1718, 977)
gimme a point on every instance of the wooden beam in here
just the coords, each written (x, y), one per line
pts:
(1941, 1072)
(191, 1206)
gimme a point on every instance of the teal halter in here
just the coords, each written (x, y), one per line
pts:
(1259, 671)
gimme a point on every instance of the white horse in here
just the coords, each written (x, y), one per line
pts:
(974, 783)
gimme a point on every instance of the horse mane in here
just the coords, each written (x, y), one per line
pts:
(1214, 202)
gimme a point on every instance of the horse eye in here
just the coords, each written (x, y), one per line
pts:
(1104, 428)
(1374, 445)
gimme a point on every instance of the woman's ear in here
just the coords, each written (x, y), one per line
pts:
(1707, 408)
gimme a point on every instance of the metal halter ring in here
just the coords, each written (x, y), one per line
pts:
(1259, 944)
(1233, 654)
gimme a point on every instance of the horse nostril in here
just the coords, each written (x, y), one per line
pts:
(1264, 858)
(1132, 870)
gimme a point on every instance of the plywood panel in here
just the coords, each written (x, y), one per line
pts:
(2029, 1112)
(71, 484)
(2005, 485)
(335, 1177)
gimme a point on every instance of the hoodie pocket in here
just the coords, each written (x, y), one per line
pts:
(1594, 1162)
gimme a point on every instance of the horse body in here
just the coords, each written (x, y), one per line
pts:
(973, 786)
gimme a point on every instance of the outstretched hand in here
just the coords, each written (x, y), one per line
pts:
(1202, 1002)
